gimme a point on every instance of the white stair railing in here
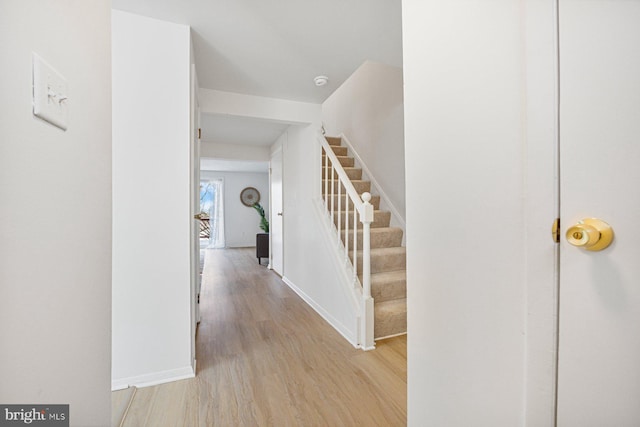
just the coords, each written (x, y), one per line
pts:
(335, 180)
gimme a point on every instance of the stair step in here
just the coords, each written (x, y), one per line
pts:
(381, 237)
(375, 201)
(340, 150)
(390, 318)
(334, 140)
(384, 259)
(344, 160)
(389, 285)
(352, 173)
(380, 218)
(388, 258)
(359, 185)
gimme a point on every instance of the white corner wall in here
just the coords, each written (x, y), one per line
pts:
(151, 201)
(241, 223)
(465, 167)
(368, 109)
(55, 214)
(308, 265)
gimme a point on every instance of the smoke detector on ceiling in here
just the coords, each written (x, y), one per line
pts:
(321, 80)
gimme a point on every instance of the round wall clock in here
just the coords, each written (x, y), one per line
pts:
(249, 196)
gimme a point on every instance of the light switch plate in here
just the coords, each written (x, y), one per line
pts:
(50, 94)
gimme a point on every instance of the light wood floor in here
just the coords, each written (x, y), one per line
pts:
(265, 358)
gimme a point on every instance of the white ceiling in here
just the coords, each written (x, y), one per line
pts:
(274, 48)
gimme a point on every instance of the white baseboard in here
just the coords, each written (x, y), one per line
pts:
(154, 378)
(391, 336)
(342, 330)
(118, 387)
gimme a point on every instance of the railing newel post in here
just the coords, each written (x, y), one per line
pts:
(366, 217)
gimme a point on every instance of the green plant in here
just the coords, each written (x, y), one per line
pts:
(264, 222)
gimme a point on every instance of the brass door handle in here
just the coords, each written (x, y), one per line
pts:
(592, 234)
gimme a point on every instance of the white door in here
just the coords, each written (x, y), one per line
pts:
(194, 202)
(195, 235)
(276, 231)
(599, 316)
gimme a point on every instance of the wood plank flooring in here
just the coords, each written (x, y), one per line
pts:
(265, 358)
(120, 402)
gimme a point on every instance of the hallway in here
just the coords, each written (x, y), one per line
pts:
(265, 358)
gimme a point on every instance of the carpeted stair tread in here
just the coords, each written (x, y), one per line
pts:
(352, 173)
(340, 150)
(380, 218)
(390, 318)
(334, 140)
(388, 259)
(343, 160)
(381, 237)
(384, 259)
(360, 186)
(389, 285)
(375, 201)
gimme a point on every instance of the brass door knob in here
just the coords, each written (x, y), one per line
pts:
(591, 234)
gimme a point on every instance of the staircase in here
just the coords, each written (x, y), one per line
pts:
(387, 255)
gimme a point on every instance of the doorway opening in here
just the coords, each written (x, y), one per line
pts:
(211, 214)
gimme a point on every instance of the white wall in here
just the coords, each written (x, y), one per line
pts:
(55, 214)
(217, 150)
(151, 204)
(258, 107)
(467, 169)
(368, 109)
(308, 264)
(241, 223)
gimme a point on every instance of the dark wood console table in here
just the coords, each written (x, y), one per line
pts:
(262, 246)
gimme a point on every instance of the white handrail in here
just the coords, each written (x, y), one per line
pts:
(361, 208)
(342, 175)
